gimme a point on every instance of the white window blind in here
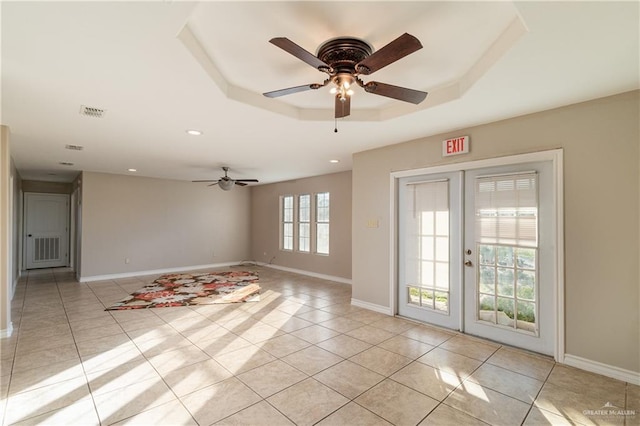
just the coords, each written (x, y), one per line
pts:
(506, 209)
(427, 239)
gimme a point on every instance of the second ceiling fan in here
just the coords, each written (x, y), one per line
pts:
(225, 182)
(344, 60)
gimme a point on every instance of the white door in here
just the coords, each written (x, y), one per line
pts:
(509, 255)
(476, 252)
(47, 233)
(430, 229)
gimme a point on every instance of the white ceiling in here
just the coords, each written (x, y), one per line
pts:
(159, 68)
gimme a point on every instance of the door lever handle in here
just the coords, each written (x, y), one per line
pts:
(468, 263)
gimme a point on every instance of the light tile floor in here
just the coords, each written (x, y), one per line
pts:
(302, 355)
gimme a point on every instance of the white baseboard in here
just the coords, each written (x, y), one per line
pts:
(153, 272)
(7, 332)
(308, 273)
(628, 376)
(372, 307)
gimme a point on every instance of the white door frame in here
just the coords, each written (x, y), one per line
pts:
(556, 158)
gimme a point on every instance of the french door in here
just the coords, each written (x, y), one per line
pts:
(476, 252)
(430, 226)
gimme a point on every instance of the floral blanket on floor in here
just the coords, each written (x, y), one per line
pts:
(194, 289)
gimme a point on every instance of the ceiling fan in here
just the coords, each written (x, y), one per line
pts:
(344, 59)
(225, 182)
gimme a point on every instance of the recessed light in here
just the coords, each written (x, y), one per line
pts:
(194, 132)
(334, 161)
(133, 170)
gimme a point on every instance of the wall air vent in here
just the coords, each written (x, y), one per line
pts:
(74, 147)
(92, 111)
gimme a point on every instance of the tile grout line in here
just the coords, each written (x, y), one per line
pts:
(75, 343)
(5, 402)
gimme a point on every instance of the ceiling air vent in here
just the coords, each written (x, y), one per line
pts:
(74, 147)
(92, 111)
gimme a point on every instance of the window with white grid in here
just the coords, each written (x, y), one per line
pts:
(304, 223)
(287, 222)
(506, 216)
(322, 223)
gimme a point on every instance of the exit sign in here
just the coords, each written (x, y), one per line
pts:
(455, 146)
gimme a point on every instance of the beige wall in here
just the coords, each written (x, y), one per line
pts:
(265, 224)
(5, 227)
(159, 224)
(16, 226)
(601, 143)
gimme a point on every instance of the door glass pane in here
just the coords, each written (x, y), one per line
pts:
(427, 244)
(526, 316)
(427, 298)
(413, 296)
(505, 256)
(427, 274)
(506, 212)
(487, 255)
(505, 282)
(427, 248)
(514, 286)
(442, 276)
(441, 301)
(487, 279)
(526, 258)
(505, 311)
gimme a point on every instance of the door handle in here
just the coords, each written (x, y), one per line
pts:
(468, 263)
(29, 235)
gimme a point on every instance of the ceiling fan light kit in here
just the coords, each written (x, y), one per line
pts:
(344, 59)
(225, 182)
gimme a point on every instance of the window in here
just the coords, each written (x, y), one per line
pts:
(287, 222)
(428, 251)
(507, 247)
(304, 223)
(297, 214)
(322, 223)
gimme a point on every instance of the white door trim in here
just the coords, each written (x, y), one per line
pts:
(556, 157)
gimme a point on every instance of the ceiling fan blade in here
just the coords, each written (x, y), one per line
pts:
(395, 92)
(404, 45)
(240, 183)
(289, 91)
(300, 53)
(246, 180)
(343, 108)
(207, 180)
